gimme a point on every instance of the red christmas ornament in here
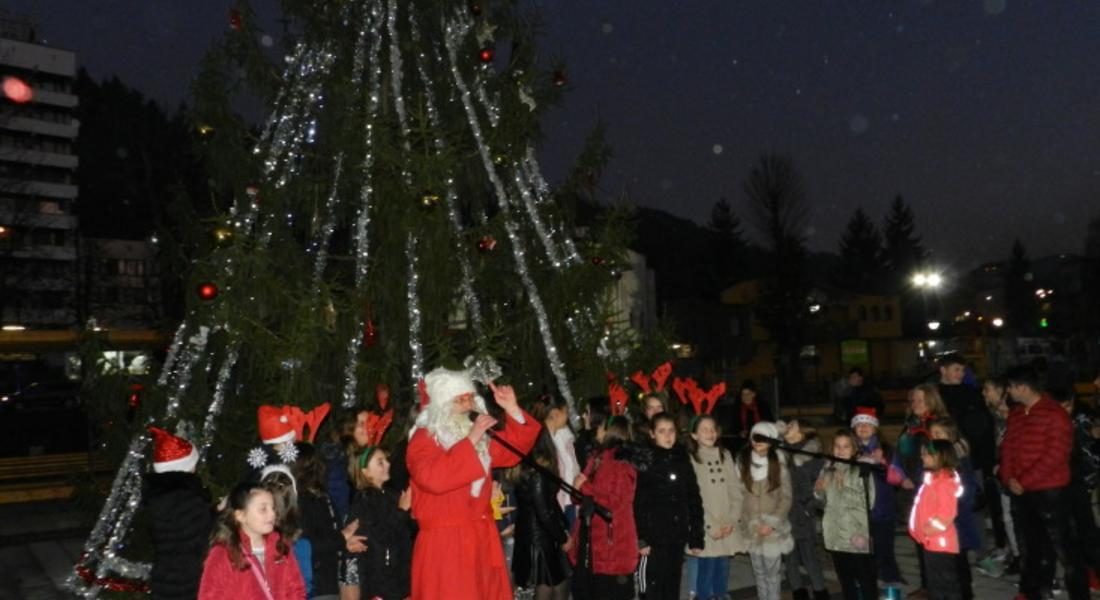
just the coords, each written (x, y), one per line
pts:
(208, 291)
(485, 55)
(559, 78)
(486, 244)
(134, 401)
(598, 261)
(235, 19)
(475, 8)
(370, 334)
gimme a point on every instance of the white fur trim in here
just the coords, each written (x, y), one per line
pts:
(185, 464)
(286, 437)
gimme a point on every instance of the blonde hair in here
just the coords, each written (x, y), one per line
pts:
(932, 401)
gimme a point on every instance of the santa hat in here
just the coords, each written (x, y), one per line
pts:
(864, 415)
(444, 385)
(766, 429)
(171, 453)
(276, 424)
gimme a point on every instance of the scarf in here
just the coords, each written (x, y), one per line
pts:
(759, 467)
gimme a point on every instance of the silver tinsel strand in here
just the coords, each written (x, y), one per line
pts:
(416, 370)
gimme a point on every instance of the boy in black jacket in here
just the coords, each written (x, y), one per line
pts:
(668, 512)
(181, 517)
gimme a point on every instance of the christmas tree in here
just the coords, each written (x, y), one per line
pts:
(389, 216)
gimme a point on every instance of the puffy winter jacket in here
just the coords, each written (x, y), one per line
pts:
(1037, 445)
(844, 526)
(936, 505)
(667, 507)
(222, 581)
(384, 567)
(181, 517)
(611, 482)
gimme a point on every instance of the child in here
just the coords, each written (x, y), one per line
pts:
(804, 472)
(884, 511)
(716, 477)
(180, 517)
(541, 533)
(610, 477)
(764, 492)
(846, 530)
(249, 560)
(384, 522)
(1004, 559)
(320, 527)
(932, 521)
(966, 522)
(278, 480)
(668, 512)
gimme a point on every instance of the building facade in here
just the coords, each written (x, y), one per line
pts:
(38, 130)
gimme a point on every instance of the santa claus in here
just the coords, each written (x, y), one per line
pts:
(458, 553)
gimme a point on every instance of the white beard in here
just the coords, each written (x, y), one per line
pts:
(449, 429)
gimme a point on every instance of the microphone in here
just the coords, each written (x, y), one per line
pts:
(763, 439)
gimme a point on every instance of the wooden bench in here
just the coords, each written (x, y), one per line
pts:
(45, 477)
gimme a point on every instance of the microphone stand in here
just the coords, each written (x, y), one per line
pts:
(865, 469)
(588, 506)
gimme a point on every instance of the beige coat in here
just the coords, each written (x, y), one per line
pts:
(717, 487)
(762, 507)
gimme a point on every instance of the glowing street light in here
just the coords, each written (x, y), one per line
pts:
(998, 322)
(933, 325)
(929, 279)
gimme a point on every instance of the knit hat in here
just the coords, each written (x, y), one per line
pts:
(171, 453)
(864, 414)
(276, 424)
(766, 429)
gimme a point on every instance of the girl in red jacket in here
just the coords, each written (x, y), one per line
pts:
(248, 558)
(610, 479)
(932, 521)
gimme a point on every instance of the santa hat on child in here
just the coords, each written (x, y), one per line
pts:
(171, 453)
(864, 415)
(276, 424)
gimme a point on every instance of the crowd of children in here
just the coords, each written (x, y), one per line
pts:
(333, 522)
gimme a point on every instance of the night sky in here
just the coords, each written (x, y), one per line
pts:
(983, 114)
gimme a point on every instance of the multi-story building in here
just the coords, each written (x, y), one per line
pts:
(121, 285)
(38, 129)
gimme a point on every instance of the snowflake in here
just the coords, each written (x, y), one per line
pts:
(288, 453)
(257, 458)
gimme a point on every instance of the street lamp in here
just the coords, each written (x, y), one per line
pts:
(933, 325)
(927, 279)
(998, 322)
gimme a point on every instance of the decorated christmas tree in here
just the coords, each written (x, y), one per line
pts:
(388, 216)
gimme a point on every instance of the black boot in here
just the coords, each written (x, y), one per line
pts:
(821, 594)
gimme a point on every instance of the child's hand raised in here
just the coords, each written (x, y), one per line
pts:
(354, 543)
(405, 502)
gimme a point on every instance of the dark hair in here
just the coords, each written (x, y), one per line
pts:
(598, 411)
(775, 469)
(952, 358)
(309, 470)
(848, 432)
(944, 453)
(616, 430)
(227, 530)
(1026, 376)
(661, 416)
(748, 385)
(282, 489)
(693, 446)
(544, 452)
(855, 371)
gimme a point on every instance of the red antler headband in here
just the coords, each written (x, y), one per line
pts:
(618, 397)
(376, 427)
(703, 402)
(659, 377)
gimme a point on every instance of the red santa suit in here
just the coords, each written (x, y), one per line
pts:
(458, 554)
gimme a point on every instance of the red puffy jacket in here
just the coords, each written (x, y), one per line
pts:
(222, 581)
(612, 483)
(1037, 446)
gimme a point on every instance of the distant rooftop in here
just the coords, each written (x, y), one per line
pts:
(19, 27)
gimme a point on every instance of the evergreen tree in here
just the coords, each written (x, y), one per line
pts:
(1020, 302)
(903, 252)
(779, 211)
(860, 268)
(728, 245)
(389, 216)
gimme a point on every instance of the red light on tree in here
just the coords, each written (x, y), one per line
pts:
(208, 291)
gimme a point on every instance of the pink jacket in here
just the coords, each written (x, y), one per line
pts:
(936, 504)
